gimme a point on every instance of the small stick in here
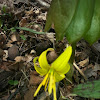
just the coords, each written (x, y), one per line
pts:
(69, 81)
(14, 94)
(25, 75)
(79, 70)
(43, 3)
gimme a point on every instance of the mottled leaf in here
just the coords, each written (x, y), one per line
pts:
(88, 90)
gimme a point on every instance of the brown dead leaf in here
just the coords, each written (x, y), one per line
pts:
(35, 79)
(84, 62)
(33, 51)
(8, 4)
(23, 22)
(9, 44)
(21, 1)
(19, 58)
(37, 11)
(28, 58)
(2, 40)
(80, 56)
(30, 12)
(51, 37)
(5, 97)
(16, 66)
(96, 67)
(14, 37)
(92, 70)
(96, 46)
(18, 97)
(4, 65)
(89, 73)
(30, 93)
(5, 56)
(1, 52)
(42, 16)
(44, 96)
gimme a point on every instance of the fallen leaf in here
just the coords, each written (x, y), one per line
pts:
(35, 79)
(51, 37)
(5, 56)
(2, 40)
(84, 62)
(96, 67)
(18, 58)
(1, 52)
(92, 70)
(16, 66)
(23, 22)
(28, 58)
(21, 1)
(29, 95)
(13, 38)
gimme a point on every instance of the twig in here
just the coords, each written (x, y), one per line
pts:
(14, 94)
(79, 70)
(41, 2)
(69, 81)
(24, 75)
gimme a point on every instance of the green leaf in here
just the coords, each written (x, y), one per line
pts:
(13, 29)
(88, 90)
(94, 32)
(23, 37)
(60, 14)
(81, 21)
(30, 30)
(13, 82)
(1, 23)
(4, 9)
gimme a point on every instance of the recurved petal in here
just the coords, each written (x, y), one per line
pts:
(39, 69)
(61, 63)
(59, 77)
(43, 59)
(63, 69)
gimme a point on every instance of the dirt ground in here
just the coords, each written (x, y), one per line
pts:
(18, 48)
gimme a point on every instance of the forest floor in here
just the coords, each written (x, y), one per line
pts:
(18, 48)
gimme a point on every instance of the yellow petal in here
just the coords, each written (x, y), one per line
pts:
(51, 82)
(63, 69)
(43, 59)
(59, 77)
(38, 69)
(60, 64)
(54, 90)
(39, 87)
(45, 79)
(46, 84)
(42, 83)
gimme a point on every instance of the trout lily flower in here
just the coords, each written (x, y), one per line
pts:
(53, 72)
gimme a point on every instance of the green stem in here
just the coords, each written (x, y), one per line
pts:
(73, 53)
(70, 73)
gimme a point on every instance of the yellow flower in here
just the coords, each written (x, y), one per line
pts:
(53, 72)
